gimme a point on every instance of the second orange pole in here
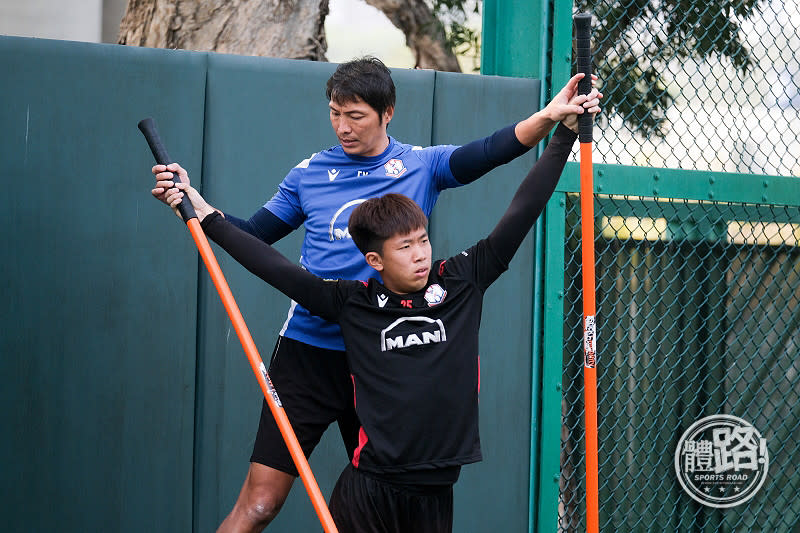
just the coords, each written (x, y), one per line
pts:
(583, 31)
(257, 364)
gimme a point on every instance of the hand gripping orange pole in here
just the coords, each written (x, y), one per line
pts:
(148, 128)
(583, 23)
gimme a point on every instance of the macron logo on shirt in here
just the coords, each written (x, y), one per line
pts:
(332, 173)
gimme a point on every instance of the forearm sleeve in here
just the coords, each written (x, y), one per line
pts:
(318, 296)
(263, 224)
(532, 195)
(473, 160)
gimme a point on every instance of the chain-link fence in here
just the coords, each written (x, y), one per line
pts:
(698, 301)
(699, 84)
(698, 307)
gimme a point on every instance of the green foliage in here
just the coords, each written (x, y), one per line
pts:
(638, 94)
(452, 16)
(634, 40)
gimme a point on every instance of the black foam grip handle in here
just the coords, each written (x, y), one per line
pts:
(150, 131)
(583, 37)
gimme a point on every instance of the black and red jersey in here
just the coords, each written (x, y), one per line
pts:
(414, 361)
(413, 357)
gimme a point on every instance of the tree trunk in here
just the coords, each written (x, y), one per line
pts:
(278, 28)
(424, 34)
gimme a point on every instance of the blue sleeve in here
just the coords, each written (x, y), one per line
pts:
(437, 159)
(285, 204)
(485, 261)
(263, 225)
(473, 160)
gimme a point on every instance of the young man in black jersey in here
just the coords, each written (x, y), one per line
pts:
(405, 339)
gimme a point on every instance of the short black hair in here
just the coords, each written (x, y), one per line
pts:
(366, 78)
(374, 221)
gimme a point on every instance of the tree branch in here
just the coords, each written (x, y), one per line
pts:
(424, 33)
(279, 28)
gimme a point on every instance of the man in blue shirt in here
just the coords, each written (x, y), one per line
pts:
(308, 366)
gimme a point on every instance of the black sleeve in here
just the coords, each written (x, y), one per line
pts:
(263, 224)
(532, 195)
(473, 160)
(321, 297)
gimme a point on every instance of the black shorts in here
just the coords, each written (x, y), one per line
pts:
(316, 389)
(361, 503)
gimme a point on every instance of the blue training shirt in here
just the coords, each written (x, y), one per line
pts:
(322, 191)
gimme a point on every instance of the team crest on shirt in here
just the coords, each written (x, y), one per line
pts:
(435, 294)
(395, 168)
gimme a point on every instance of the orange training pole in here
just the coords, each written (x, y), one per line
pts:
(583, 23)
(148, 128)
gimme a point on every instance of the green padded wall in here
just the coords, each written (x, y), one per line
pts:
(129, 401)
(492, 495)
(97, 339)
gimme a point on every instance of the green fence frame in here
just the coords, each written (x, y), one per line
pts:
(637, 184)
(535, 40)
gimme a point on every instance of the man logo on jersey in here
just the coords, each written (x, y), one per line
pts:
(341, 232)
(435, 294)
(412, 331)
(395, 168)
(332, 173)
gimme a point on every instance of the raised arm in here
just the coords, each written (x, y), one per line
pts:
(532, 195)
(320, 297)
(263, 224)
(471, 161)
(562, 108)
(312, 292)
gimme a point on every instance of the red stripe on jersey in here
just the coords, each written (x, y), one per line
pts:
(362, 441)
(441, 267)
(479, 374)
(365, 283)
(362, 435)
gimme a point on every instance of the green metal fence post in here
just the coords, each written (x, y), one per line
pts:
(534, 39)
(553, 349)
(515, 42)
(512, 38)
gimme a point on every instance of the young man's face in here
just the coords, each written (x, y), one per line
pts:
(405, 262)
(360, 129)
